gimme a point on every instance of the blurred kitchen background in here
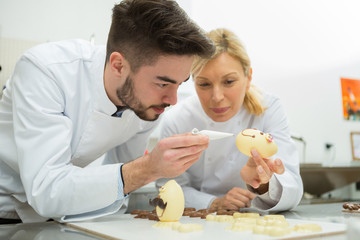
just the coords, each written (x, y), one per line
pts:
(299, 51)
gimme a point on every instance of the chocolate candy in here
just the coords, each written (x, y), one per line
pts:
(196, 214)
(189, 209)
(135, 212)
(187, 213)
(145, 215)
(351, 206)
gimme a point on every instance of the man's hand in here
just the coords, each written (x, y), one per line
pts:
(234, 199)
(258, 171)
(171, 157)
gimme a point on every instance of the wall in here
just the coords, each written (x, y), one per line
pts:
(24, 24)
(50, 20)
(10, 51)
(299, 50)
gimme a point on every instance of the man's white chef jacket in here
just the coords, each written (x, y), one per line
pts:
(55, 119)
(218, 169)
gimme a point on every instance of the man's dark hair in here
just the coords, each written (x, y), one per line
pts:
(143, 30)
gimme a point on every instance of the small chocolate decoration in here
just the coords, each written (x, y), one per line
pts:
(247, 135)
(351, 206)
(157, 202)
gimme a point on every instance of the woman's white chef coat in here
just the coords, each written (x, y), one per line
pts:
(218, 169)
(55, 119)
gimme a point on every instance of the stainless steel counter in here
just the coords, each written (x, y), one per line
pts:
(331, 212)
(40, 231)
(320, 179)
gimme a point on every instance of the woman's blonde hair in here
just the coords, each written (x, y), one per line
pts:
(227, 41)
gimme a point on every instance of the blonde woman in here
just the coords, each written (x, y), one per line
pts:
(224, 178)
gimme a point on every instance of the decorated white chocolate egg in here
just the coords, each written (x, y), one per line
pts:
(253, 138)
(173, 200)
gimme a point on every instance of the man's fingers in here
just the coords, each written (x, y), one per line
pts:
(183, 140)
(187, 162)
(181, 153)
(182, 134)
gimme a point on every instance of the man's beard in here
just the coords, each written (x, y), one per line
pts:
(126, 94)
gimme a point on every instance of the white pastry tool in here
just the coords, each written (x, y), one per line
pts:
(212, 134)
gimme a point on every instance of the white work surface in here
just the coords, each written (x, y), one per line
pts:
(127, 227)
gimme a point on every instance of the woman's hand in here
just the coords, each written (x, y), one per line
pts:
(234, 199)
(258, 171)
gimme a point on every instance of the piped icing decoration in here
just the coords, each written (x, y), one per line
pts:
(247, 135)
(268, 136)
(195, 131)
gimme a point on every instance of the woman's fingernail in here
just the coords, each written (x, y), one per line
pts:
(254, 152)
(260, 169)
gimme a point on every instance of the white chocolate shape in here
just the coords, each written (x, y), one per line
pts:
(249, 139)
(307, 228)
(211, 217)
(246, 215)
(172, 195)
(241, 227)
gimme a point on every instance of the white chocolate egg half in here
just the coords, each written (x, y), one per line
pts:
(172, 195)
(253, 138)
